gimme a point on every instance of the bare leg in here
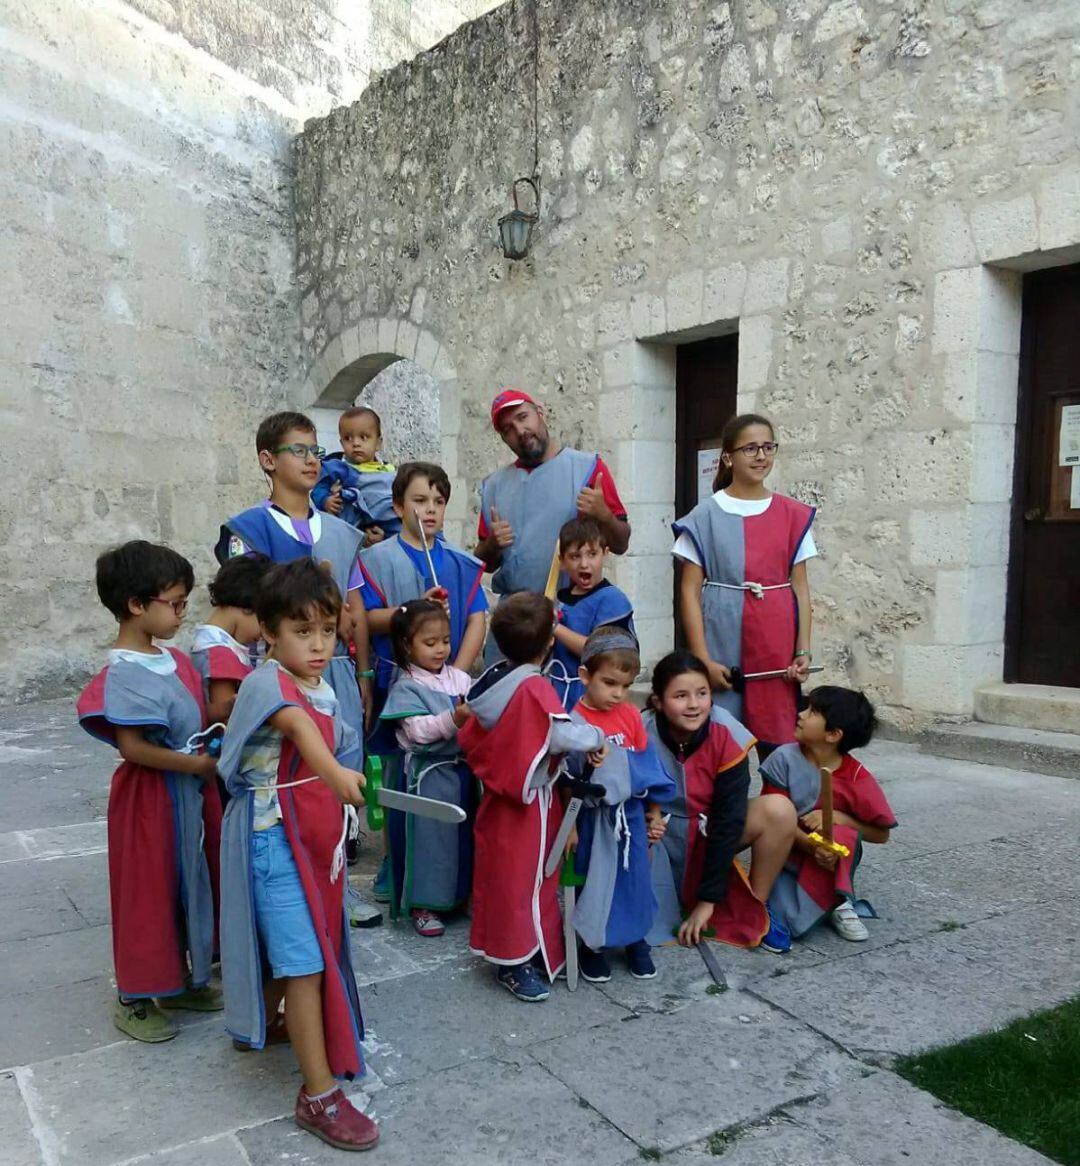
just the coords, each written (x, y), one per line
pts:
(771, 823)
(304, 1020)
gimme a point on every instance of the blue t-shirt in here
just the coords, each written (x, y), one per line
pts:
(373, 600)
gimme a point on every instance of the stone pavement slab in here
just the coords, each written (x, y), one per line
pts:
(896, 1124)
(914, 996)
(460, 1070)
(17, 1142)
(503, 1110)
(666, 1081)
(475, 1019)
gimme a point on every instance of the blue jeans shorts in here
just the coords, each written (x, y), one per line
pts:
(282, 915)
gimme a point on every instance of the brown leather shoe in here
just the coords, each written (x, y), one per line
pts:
(337, 1121)
(276, 1034)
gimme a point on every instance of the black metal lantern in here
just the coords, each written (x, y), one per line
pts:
(515, 228)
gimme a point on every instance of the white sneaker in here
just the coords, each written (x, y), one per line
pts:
(847, 923)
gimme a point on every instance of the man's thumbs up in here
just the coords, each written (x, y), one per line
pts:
(590, 502)
(501, 531)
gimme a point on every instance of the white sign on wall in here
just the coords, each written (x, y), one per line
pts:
(1069, 437)
(708, 462)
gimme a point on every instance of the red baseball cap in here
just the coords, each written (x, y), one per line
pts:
(507, 399)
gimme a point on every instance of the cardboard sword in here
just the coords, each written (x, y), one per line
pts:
(379, 799)
(579, 790)
(825, 838)
(739, 677)
(570, 880)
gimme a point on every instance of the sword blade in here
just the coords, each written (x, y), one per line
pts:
(713, 968)
(777, 673)
(427, 549)
(555, 855)
(570, 936)
(393, 799)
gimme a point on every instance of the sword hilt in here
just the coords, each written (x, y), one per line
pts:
(829, 844)
(569, 876)
(373, 772)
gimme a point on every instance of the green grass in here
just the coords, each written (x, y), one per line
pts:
(1021, 1080)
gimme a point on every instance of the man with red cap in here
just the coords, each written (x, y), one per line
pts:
(523, 505)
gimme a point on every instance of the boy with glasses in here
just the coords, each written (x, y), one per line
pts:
(148, 702)
(286, 526)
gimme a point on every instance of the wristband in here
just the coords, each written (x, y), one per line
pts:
(368, 675)
(804, 652)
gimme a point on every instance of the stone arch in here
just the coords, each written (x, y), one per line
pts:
(362, 351)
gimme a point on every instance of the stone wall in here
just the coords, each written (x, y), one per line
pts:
(850, 185)
(150, 307)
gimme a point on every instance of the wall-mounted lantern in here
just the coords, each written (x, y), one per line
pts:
(515, 228)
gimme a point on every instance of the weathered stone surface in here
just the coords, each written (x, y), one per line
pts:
(20, 1145)
(752, 1058)
(830, 175)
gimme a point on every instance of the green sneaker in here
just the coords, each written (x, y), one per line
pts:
(204, 999)
(143, 1020)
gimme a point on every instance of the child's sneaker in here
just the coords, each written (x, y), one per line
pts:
(847, 923)
(337, 1121)
(523, 982)
(204, 999)
(593, 965)
(427, 923)
(777, 938)
(380, 886)
(640, 961)
(143, 1020)
(361, 913)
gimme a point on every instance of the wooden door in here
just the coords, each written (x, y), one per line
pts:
(1043, 620)
(706, 384)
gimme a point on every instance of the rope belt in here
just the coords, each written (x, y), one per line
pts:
(350, 826)
(757, 590)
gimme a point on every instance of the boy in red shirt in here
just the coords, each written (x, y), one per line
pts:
(616, 906)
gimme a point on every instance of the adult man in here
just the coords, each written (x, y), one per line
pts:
(523, 505)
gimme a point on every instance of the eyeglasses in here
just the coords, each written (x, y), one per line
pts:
(768, 448)
(298, 449)
(179, 606)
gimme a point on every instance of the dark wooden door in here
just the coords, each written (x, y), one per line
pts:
(706, 385)
(1043, 621)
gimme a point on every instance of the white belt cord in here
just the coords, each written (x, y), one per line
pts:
(703, 825)
(350, 826)
(757, 590)
(622, 830)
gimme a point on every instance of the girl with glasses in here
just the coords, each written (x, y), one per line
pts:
(743, 592)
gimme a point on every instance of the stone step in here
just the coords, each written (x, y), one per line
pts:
(1029, 706)
(1033, 750)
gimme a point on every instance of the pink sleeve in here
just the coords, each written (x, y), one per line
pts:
(428, 728)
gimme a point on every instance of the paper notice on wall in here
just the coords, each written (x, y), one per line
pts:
(708, 462)
(1069, 437)
(1074, 489)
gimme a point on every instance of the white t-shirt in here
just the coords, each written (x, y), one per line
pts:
(162, 662)
(745, 508)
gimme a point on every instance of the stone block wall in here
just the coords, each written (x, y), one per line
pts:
(854, 186)
(150, 306)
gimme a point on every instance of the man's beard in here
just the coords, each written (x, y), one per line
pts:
(538, 447)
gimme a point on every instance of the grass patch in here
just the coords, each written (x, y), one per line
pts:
(1020, 1080)
(715, 989)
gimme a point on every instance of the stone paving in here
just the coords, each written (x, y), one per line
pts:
(978, 904)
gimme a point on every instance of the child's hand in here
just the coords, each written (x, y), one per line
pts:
(827, 859)
(811, 822)
(655, 826)
(719, 676)
(695, 923)
(799, 669)
(462, 714)
(207, 766)
(571, 841)
(333, 502)
(595, 757)
(373, 535)
(348, 785)
(438, 595)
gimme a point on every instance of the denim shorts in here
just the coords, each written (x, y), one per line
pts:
(282, 914)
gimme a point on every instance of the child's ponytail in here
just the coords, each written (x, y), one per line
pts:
(729, 439)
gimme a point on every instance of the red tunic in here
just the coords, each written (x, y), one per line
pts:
(515, 909)
(740, 918)
(770, 624)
